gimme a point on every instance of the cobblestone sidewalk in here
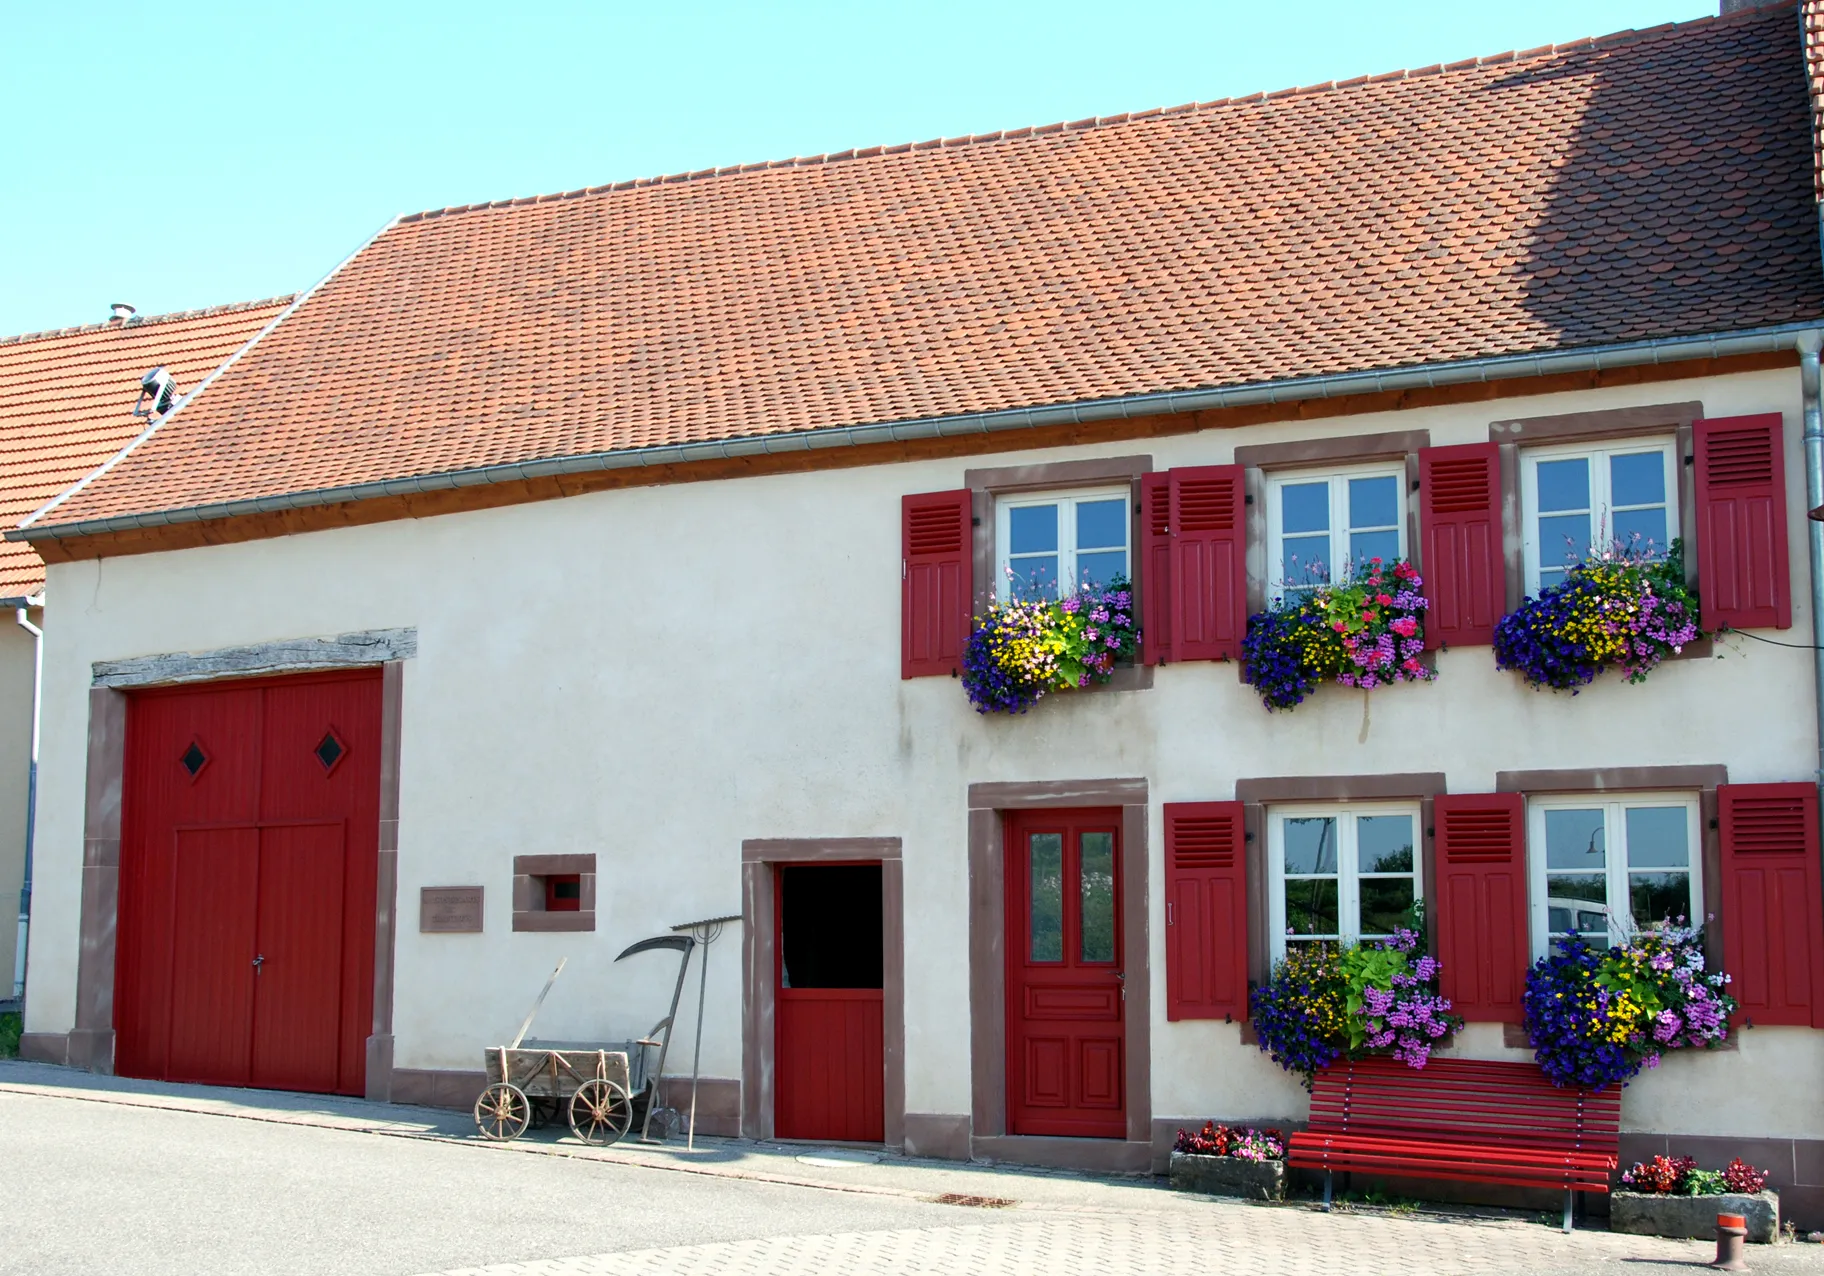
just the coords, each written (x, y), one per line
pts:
(1224, 1239)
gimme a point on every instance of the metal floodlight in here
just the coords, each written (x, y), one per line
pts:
(159, 386)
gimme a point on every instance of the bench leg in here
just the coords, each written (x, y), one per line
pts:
(1328, 1180)
(1569, 1197)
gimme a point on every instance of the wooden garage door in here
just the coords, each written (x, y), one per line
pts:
(249, 843)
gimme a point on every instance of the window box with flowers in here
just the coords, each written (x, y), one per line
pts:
(1024, 649)
(1221, 1160)
(1366, 629)
(1670, 1196)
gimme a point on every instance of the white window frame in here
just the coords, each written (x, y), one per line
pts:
(1602, 511)
(1348, 863)
(1066, 500)
(1615, 845)
(1339, 514)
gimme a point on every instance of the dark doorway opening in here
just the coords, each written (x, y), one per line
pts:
(829, 1058)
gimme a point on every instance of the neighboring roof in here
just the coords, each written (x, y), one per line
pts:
(1634, 187)
(66, 403)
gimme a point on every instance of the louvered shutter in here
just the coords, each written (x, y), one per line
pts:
(1742, 571)
(936, 583)
(1209, 562)
(1480, 914)
(1155, 568)
(1772, 905)
(1206, 911)
(1460, 543)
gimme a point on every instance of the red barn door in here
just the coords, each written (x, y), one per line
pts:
(250, 840)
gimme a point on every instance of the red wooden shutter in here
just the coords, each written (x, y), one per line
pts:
(937, 585)
(1460, 543)
(1742, 569)
(1772, 905)
(1480, 916)
(1209, 562)
(1155, 576)
(1206, 911)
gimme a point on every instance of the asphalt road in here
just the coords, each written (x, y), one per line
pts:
(91, 1187)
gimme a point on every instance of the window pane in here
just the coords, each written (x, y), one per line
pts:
(1564, 485)
(1307, 559)
(1563, 538)
(1366, 545)
(1657, 837)
(1657, 897)
(1581, 898)
(1046, 882)
(1643, 530)
(1097, 569)
(1549, 576)
(1311, 906)
(1034, 577)
(1311, 845)
(1032, 529)
(1374, 502)
(1385, 901)
(1638, 480)
(1575, 839)
(1304, 507)
(1098, 891)
(1384, 843)
(1101, 524)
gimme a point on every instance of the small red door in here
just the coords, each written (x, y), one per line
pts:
(249, 851)
(1066, 1043)
(829, 1073)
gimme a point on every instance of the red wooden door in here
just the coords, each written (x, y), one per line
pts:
(829, 1073)
(249, 849)
(1066, 1041)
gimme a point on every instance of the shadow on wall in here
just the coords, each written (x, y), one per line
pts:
(1684, 203)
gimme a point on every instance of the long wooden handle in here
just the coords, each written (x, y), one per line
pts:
(526, 1027)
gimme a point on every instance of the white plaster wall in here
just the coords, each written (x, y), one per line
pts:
(657, 673)
(16, 660)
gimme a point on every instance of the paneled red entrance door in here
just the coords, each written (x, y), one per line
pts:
(250, 839)
(829, 1073)
(1066, 1044)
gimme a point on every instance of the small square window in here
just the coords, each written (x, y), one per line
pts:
(1051, 544)
(563, 892)
(1317, 521)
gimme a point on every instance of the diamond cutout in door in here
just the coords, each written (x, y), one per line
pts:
(330, 751)
(194, 759)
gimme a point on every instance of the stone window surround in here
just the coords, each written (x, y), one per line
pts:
(983, 1134)
(760, 857)
(90, 1042)
(986, 484)
(529, 874)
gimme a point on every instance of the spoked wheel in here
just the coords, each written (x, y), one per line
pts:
(600, 1112)
(502, 1112)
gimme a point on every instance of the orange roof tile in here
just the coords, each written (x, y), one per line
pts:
(66, 403)
(1638, 186)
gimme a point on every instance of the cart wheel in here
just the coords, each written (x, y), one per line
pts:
(502, 1112)
(600, 1112)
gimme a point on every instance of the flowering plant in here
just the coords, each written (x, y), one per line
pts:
(1596, 1018)
(1365, 629)
(1739, 1176)
(1663, 1175)
(1246, 1144)
(1325, 1002)
(1679, 1176)
(1022, 649)
(1619, 609)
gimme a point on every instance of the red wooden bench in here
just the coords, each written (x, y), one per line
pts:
(1460, 1119)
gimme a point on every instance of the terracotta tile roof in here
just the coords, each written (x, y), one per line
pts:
(1811, 20)
(66, 403)
(1636, 186)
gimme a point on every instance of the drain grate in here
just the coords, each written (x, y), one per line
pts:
(979, 1202)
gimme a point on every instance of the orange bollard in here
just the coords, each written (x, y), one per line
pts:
(1731, 1240)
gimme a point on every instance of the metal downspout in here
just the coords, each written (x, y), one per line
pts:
(31, 801)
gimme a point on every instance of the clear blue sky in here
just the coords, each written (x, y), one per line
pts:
(177, 154)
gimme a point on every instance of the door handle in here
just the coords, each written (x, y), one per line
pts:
(1122, 976)
(258, 961)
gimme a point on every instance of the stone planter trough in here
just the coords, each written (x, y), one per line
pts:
(1651, 1214)
(1229, 1176)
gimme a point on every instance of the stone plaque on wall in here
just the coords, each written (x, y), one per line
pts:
(449, 910)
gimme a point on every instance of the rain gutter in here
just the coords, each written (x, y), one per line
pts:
(1664, 350)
